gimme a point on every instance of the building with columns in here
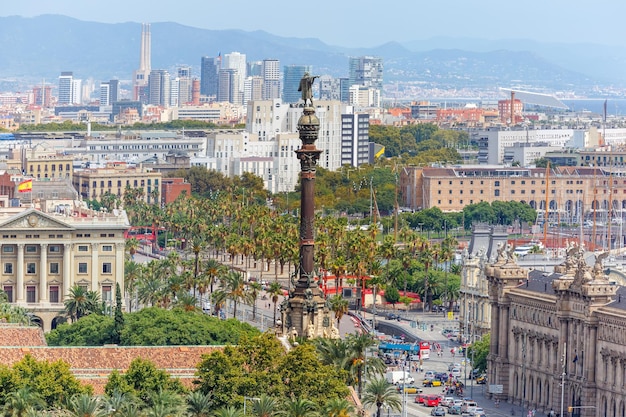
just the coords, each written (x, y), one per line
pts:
(558, 337)
(53, 245)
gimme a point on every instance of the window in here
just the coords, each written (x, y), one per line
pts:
(83, 248)
(497, 194)
(31, 249)
(31, 268)
(8, 290)
(54, 293)
(82, 267)
(497, 183)
(7, 249)
(54, 249)
(31, 293)
(8, 268)
(106, 268)
(54, 267)
(106, 293)
(107, 248)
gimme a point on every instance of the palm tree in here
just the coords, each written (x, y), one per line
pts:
(77, 304)
(254, 288)
(234, 288)
(18, 403)
(229, 411)
(358, 344)
(265, 406)
(339, 306)
(85, 405)
(379, 392)
(186, 301)
(299, 407)
(132, 245)
(275, 291)
(338, 407)
(199, 404)
(117, 402)
(164, 403)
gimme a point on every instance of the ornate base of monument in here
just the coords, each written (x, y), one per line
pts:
(307, 314)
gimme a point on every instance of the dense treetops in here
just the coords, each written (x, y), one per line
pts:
(152, 327)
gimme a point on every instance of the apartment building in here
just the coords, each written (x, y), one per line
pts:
(114, 178)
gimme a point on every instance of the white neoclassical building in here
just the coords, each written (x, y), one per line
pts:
(48, 248)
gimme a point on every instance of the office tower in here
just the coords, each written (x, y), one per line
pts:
(174, 84)
(109, 92)
(344, 90)
(366, 71)
(66, 85)
(184, 85)
(209, 70)
(292, 74)
(254, 68)
(271, 79)
(236, 61)
(228, 86)
(329, 88)
(159, 85)
(141, 75)
(253, 89)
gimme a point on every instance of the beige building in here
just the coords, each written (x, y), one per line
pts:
(114, 178)
(560, 335)
(569, 190)
(47, 249)
(41, 161)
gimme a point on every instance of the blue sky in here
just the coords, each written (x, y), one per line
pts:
(364, 23)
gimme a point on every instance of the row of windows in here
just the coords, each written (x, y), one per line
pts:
(53, 293)
(94, 184)
(53, 268)
(57, 248)
(52, 168)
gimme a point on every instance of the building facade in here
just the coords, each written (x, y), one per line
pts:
(292, 74)
(115, 178)
(558, 337)
(48, 249)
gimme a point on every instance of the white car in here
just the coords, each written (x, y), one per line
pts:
(457, 403)
(456, 372)
(477, 412)
(429, 375)
(447, 401)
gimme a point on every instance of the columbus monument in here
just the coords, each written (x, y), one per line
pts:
(305, 312)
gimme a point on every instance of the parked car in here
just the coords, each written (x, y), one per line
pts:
(432, 401)
(455, 409)
(438, 411)
(482, 379)
(409, 388)
(429, 374)
(431, 382)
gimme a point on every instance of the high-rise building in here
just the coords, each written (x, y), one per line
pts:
(66, 85)
(367, 71)
(159, 86)
(271, 79)
(329, 88)
(140, 77)
(254, 68)
(42, 95)
(292, 74)
(354, 138)
(236, 61)
(253, 89)
(229, 86)
(184, 85)
(209, 70)
(109, 92)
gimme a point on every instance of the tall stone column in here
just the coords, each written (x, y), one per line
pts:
(43, 273)
(20, 273)
(67, 269)
(94, 267)
(305, 312)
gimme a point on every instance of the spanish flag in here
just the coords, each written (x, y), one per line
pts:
(25, 186)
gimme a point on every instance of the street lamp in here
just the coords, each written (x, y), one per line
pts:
(563, 376)
(244, 402)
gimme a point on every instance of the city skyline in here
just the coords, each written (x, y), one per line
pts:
(556, 21)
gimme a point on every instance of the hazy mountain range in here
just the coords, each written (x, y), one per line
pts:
(42, 47)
